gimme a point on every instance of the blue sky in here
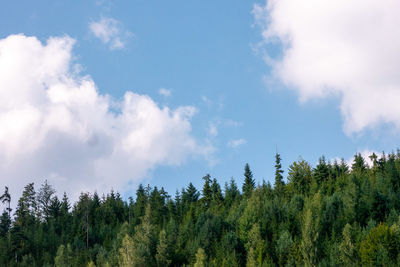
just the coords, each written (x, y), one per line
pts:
(210, 56)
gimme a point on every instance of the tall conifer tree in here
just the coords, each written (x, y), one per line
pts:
(279, 184)
(249, 184)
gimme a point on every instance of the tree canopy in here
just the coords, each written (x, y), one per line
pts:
(332, 214)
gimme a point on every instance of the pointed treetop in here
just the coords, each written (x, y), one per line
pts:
(249, 183)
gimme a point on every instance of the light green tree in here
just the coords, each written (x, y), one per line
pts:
(126, 252)
(143, 241)
(347, 247)
(310, 232)
(201, 258)
(255, 247)
(64, 256)
(162, 256)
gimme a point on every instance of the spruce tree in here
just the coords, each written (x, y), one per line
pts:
(207, 190)
(191, 194)
(279, 184)
(358, 163)
(249, 184)
(321, 171)
(216, 192)
(5, 224)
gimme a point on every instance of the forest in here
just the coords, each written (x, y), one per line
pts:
(332, 214)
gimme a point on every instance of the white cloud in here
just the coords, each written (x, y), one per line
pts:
(108, 30)
(164, 92)
(344, 48)
(55, 125)
(237, 142)
(366, 153)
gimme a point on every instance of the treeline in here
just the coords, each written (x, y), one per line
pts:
(329, 215)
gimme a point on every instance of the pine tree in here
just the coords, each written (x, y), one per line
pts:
(249, 183)
(6, 198)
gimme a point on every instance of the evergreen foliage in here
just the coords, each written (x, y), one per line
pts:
(329, 215)
(249, 183)
(279, 183)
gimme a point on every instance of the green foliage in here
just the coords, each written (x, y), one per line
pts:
(279, 183)
(283, 247)
(379, 248)
(328, 215)
(127, 252)
(162, 256)
(201, 258)
(64, 256)
(254, 247)
(249, 183)
(299, 177)
(348, 251)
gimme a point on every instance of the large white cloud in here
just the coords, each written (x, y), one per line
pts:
(344, 48)
(55, 125)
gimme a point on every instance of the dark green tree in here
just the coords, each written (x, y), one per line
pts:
(249, 183)
(279, 184)
(207, 194)
(6, 198)
(5, 224)
(358, 163)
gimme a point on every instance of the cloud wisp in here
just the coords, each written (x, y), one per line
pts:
(164, 92)
(236, 143)
(55, 125)
(109, 31)
(341, 48)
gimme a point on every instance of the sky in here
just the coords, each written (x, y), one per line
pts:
(107, 94)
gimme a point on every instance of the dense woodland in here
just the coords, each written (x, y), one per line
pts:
(328, 215)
